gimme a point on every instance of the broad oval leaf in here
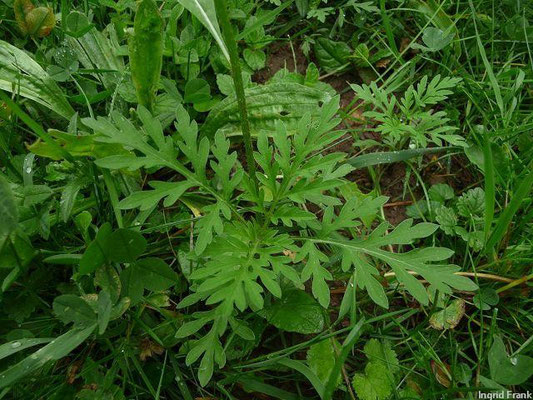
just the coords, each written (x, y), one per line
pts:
(132, 285)
(507, 370)
(22, 74)
(321, 358)
(96, 253)
(296, 312)
(332, 55)
(155, 274)
(125, 245)
(450, 317)
(435, 39)
(107, 278)
(71, 308)
(266, 104)
(197, 91)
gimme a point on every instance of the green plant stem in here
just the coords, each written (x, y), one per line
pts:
(229, 38)
(515, 283)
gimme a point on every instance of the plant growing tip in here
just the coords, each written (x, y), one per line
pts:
(146, 51)
(34, 21)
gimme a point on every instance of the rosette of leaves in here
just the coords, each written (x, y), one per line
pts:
(251, 246)
(33, 21)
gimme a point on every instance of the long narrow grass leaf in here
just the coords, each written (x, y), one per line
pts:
(490, 189)
(15, 346)
(204, 10)
(22, 75)
(55, 350)
(306, 371)
(347, 346)
(487, 64)
(387, 157)
(505, 219)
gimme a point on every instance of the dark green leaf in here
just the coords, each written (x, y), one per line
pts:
(107, 278)
(8, 209)
(506, 370)
(96, 253)
(55, 350)
(155, 274)
(104, 310)
(71, 308)
(125, 245)
(332, 55)
(297, 312)
(197, 91)
(132, 285)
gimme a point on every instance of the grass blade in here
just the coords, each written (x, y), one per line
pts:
(490, 188)
(55, 350)
(21, 74)
(505, 219)
(306, 371)
(347, 346)
(8, 209)
(182, 386)
(34, 126)
(204, 10)
(487, 64)
(387, 157)
(15, 346)
(254, 385)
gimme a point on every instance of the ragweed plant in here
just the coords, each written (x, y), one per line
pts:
(249, 244)
(413, 118)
